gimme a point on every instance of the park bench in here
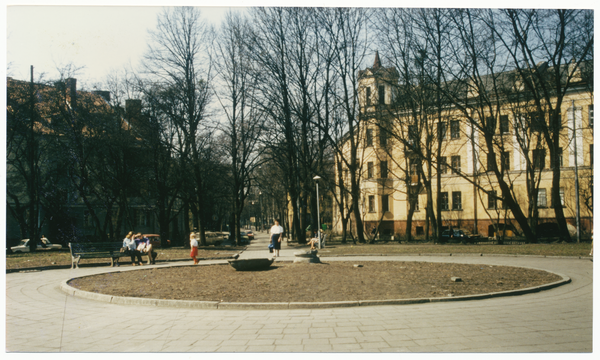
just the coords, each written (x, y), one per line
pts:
(110, 250)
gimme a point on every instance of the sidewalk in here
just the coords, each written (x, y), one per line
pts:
(259, 248)
(42, 318)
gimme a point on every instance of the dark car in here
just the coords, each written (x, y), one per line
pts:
(154, 239)
(455, 236)
(245, 239)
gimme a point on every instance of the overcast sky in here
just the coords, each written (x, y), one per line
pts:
(99, 38)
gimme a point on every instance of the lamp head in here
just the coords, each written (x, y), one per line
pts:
(317, 177)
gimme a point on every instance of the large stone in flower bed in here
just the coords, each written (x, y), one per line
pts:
(251, 264)
(309, 257)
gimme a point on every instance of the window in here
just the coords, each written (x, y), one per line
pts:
(505, 161)
(559, 157)
(370, 170)
(492, 203)
(383, 169)
(561, 193)
(420, 230)
(490, 162)
(591, 115)
(369, 137)
(381, 94)
(443, 165)
(87, 218)
(454, 129)
(539, 159)
(413, 134)
(538, 121)
(371, 203)
(385, 203)
(414, 196)
(368, 96)
(442, 128)
(444, 200)
(541, 198)
(383, 137)
(456, 164)
(491, 124)
(504, 124)
(456, 200)
(591, 154)
(413, 170)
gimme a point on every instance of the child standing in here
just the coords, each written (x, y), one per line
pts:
(194, 248)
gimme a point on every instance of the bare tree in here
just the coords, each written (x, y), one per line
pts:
(175, 57)
(563, 40)
(243, 126)
(346, 28)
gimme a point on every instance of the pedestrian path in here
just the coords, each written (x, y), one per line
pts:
(259, 248)
(42, 318)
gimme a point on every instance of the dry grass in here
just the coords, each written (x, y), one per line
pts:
(63, 258)
(557, 249)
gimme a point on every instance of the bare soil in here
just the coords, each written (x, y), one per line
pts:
(333, 281)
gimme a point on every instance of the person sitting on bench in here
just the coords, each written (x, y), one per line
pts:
(144, 247)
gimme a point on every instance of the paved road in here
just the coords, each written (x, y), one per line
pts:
(42, 318)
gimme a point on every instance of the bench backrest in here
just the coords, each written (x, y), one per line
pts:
(95, 248)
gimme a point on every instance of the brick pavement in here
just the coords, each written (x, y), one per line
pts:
(42, 318)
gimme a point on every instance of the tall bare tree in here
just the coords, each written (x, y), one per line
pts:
(175, 56)
(236, 81)
(548, 49)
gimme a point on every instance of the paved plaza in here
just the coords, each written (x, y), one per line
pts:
(42, 318)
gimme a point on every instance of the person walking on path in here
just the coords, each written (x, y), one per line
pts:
(129, 243)
(194, 248)
(276, 234)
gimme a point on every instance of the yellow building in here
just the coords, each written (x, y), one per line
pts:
(470, 198)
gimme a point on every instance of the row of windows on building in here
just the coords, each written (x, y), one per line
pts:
(504, 128)
(493, 201)
(140, 218)
(538, 159)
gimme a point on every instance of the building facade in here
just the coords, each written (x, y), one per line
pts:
(404, 148)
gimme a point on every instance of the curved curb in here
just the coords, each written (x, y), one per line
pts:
(217, 305)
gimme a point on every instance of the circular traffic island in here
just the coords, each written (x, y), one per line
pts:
(342, 282)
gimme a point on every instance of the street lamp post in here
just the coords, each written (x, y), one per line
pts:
(260, 212)
(317, 178)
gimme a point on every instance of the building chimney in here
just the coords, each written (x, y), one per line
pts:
(72, 87)
(104, 94)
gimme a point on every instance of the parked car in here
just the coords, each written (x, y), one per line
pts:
(154, 240)
(24, 246)
(212, 238)
(454, 236)
(250, 234)
(244, 237)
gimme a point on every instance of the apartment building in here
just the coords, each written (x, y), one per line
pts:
(403, 149)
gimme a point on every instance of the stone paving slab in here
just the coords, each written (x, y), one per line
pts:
(555, 320)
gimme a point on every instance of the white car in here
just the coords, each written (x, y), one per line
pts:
(24, 246)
